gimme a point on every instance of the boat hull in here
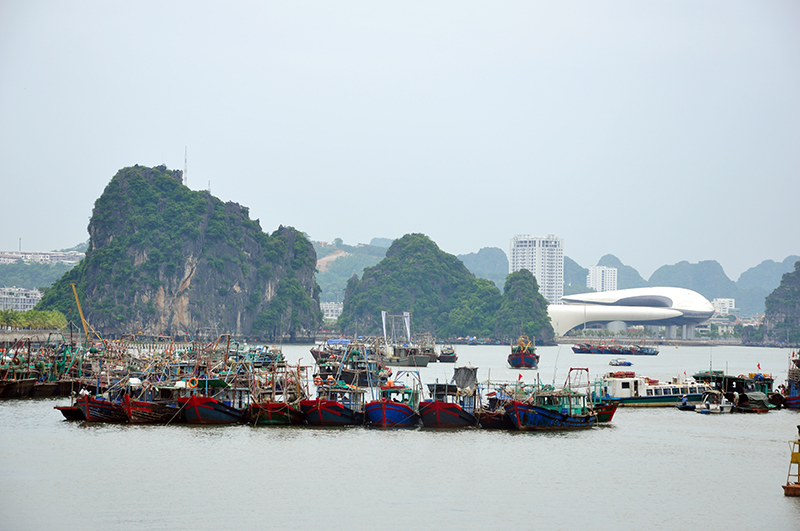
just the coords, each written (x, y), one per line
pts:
(330, 413)
(388, 414)
(523, 360)
(274, 414)
(495, 420)
(537, 418)
(207, 410)
(445, 415)
(95, 410)
(143, 412)
(605, 412)
(18, 388)
(418, 360)
(71, 412)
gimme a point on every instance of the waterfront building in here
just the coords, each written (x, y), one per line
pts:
(653, 306)
(67, 257)
(601, 278)
(331, 310)
(544, 258)
(19, 299)
(724, 306)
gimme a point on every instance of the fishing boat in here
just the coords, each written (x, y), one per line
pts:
(626, 388)
(792, 487)
(280, 390)
(791, 391)
(72, 412)
(339, 404)
(452, 405)
(552, 409)
(397, 405)
(613, 348)
(152, 411)
(214, 402)
(620, 362)
(99, 409)
(578, 380)
(447, 354)
(714, 402)
(523, 354)
(492, 413)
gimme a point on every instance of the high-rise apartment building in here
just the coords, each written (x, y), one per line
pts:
(544, 257)
(601, 278)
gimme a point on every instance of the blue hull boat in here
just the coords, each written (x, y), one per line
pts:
(387, 414)
(531, 417)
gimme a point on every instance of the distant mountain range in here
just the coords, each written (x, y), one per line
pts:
(706, 277)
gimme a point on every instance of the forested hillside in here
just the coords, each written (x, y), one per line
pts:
(164, 259)
(443, 296)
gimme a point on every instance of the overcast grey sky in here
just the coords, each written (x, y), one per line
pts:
(655, 131)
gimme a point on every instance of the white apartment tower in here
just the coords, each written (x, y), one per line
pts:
(544, 257)
(601, 278)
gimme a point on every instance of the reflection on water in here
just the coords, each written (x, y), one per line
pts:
(659, 468)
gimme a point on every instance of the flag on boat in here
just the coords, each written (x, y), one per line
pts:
(520, 377)
(759, 366)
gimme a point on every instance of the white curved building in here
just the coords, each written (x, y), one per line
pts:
(669, 307)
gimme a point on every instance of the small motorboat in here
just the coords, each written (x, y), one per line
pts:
(686, 407)
(620, 362)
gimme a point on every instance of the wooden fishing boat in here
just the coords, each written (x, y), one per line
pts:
(277, 398)
(397, 405)
(98, 409)
(447, 354)
(452, 405)
(523, 354)
(559, 409)
(152, 411)
(791, 391)
(208, 410)
(335, 405)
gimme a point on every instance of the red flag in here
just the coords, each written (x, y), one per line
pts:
(759, 366)
(520, 377)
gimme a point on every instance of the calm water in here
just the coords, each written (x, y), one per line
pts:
(648, 469)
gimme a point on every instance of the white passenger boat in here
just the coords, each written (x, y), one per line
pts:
(627, 389)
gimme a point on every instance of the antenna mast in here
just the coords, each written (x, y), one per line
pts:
(185, 165)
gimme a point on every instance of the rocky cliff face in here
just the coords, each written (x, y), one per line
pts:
(782, 317)
(167, 260)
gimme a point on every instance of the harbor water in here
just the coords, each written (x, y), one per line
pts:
(650, 468)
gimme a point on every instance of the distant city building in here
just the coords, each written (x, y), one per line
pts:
(724, 306)
(544, 257)
(19, 299)
(68, 257)
(601, 278)
(331, 310)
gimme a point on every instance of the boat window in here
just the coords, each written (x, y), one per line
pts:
(649, 392)
(676, 391)
(693, 390)
(626, 385)
(684, 390)
(658, 392)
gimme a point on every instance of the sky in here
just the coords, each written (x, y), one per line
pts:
(655, 131)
